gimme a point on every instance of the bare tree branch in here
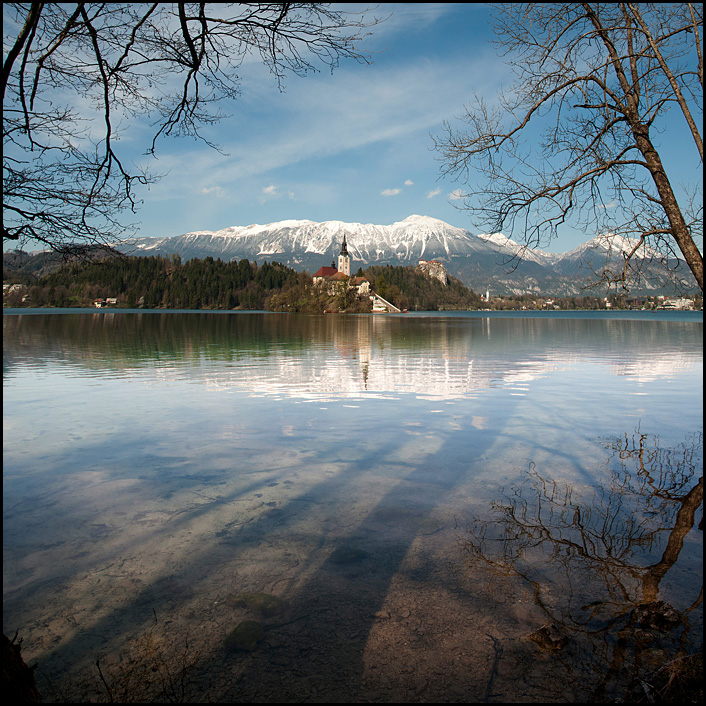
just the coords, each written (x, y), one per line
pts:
(574, 140)
(64, 181)
(672, 79)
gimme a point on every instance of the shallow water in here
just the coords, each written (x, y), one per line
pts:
(421, 492)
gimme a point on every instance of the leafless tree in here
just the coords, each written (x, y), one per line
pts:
(577, 136)
(594, 546)
(593, 559)
(76, 73)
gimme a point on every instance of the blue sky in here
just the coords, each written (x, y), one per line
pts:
(355, 145)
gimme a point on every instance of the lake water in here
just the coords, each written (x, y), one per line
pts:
(416, 495)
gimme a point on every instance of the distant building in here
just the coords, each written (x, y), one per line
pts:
(102, 303)
(330, 276)
(344, 259)
(382, 306)
(361, 284)
(323, 273)
(680, 303)
(434, 268)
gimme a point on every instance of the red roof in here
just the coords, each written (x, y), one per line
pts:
(325, 272)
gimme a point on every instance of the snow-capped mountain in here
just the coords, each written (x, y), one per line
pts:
(415, 238)
(479, 261)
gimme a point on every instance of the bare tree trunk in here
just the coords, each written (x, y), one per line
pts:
(596, 81)
(679, 229)
(689, 504)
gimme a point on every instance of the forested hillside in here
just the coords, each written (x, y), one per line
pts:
(409, 289)
(160, 282)
(166, 282)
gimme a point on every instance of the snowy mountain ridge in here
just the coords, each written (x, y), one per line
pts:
(414, 237)
(479, 261)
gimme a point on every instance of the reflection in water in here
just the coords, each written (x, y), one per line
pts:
(168, 464)
(595, 559)
(315, 356)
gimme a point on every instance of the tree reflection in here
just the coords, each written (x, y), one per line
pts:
(594, 557)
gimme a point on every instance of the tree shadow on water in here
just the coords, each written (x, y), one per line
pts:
(609, 567)
(312, 648)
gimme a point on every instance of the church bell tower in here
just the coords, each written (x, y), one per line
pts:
(344, 260)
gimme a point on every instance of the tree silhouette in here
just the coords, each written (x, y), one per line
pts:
(577, 136)
(74, 72)
(594, 561)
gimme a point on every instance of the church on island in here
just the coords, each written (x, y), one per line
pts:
(332, 277)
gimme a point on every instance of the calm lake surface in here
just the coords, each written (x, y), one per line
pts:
(416, 493)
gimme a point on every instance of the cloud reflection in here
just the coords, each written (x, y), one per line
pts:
(348, 358)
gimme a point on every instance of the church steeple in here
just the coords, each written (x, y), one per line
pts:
(344, 260)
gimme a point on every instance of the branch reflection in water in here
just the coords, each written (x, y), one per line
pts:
(614, 569)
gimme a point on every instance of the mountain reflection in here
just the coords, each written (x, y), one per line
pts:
(595, 559)
(314, 356)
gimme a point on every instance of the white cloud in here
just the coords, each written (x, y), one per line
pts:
(404, 18)
(329, 117)
(433, 193)
(268, 192)
(456, 194)
(215, 190)
(272, 192)
(322, 117)
(390, 192)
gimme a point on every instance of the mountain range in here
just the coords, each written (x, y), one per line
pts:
(482, 262)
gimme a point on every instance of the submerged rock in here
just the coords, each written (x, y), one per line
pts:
(245, 637)
(549, 638)
(262, 603)
(658, 615)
